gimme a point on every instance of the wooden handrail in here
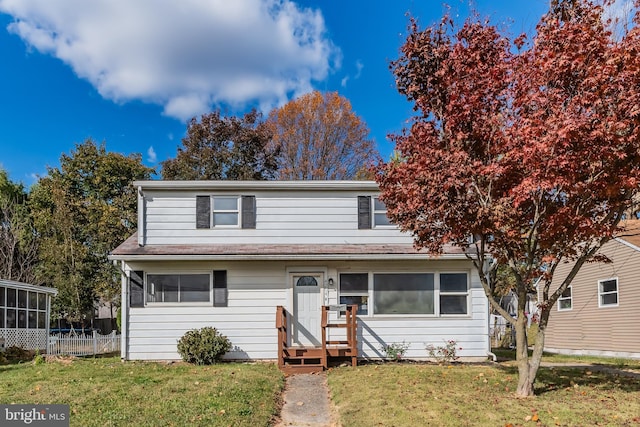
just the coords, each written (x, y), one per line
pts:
(281, 325)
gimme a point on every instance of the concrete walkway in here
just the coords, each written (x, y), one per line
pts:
(306, 402)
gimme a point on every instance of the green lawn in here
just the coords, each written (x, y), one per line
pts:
(108, 392)
(480, 395)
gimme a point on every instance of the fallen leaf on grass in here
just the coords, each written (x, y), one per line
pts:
(300, 403)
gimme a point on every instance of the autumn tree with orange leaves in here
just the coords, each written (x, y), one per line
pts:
(320, 137)
(525, 152)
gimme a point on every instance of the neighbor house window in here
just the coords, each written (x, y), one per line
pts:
(178, 287)
(608, 292)
(380, 217)
(354, 290)
(403, 293)
(565, 302)
(454, 291)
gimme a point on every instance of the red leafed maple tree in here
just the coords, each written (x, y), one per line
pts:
(525, 152)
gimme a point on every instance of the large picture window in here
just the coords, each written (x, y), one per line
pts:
(403, 293)
(608, 292)
(178, 287)
(354, 290)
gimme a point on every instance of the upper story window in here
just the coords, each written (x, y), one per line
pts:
(226, 211)
(372, 213)
(565, 302)
(608, 292)
(218, 211)
(380, 217)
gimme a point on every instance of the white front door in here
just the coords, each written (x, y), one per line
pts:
(307, 306)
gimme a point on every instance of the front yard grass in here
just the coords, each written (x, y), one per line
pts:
(108, 392)
(480, 395)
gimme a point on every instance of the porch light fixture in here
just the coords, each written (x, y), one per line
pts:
(330, 282)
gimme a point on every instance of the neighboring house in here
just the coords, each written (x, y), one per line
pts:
(227, 254)
(24, 315)
(598, 314)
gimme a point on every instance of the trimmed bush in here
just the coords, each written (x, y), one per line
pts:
(204, 346)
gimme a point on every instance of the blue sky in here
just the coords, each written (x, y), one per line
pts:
(132, 73)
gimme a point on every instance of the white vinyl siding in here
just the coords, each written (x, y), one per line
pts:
(255, 289)
(326, 217)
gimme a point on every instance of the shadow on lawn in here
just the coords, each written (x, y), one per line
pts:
(604, 378)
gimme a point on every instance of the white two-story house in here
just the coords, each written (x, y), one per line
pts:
(227, 254)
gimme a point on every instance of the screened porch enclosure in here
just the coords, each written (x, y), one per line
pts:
(24, 315)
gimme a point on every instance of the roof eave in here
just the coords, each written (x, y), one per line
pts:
(286, 257)
(258, 185)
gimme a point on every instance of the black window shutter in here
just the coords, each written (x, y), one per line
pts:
(248, 211)
(364, 212)
(219, 288)
(136, 289)
(203, 212)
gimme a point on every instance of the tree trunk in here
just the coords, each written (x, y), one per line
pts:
(528, 366)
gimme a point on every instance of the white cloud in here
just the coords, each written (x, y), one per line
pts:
(186, 55)
(152, 157)
(359, 67)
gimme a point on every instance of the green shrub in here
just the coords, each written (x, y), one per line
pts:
(203, 346)
(395, 351)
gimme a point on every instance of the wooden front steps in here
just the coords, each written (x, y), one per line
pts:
(293, 359)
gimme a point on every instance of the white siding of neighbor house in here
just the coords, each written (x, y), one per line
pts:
(255, 288)
(294, 217)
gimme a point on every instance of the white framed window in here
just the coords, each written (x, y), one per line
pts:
(565, 302)
(178, 288)
(608, 292)
(380, 218)
(354, 289)
(404, 293)
(225, 211)
(454, 292)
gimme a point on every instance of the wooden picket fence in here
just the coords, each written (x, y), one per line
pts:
(83, 345)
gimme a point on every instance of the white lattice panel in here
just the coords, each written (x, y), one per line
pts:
(29, 339)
